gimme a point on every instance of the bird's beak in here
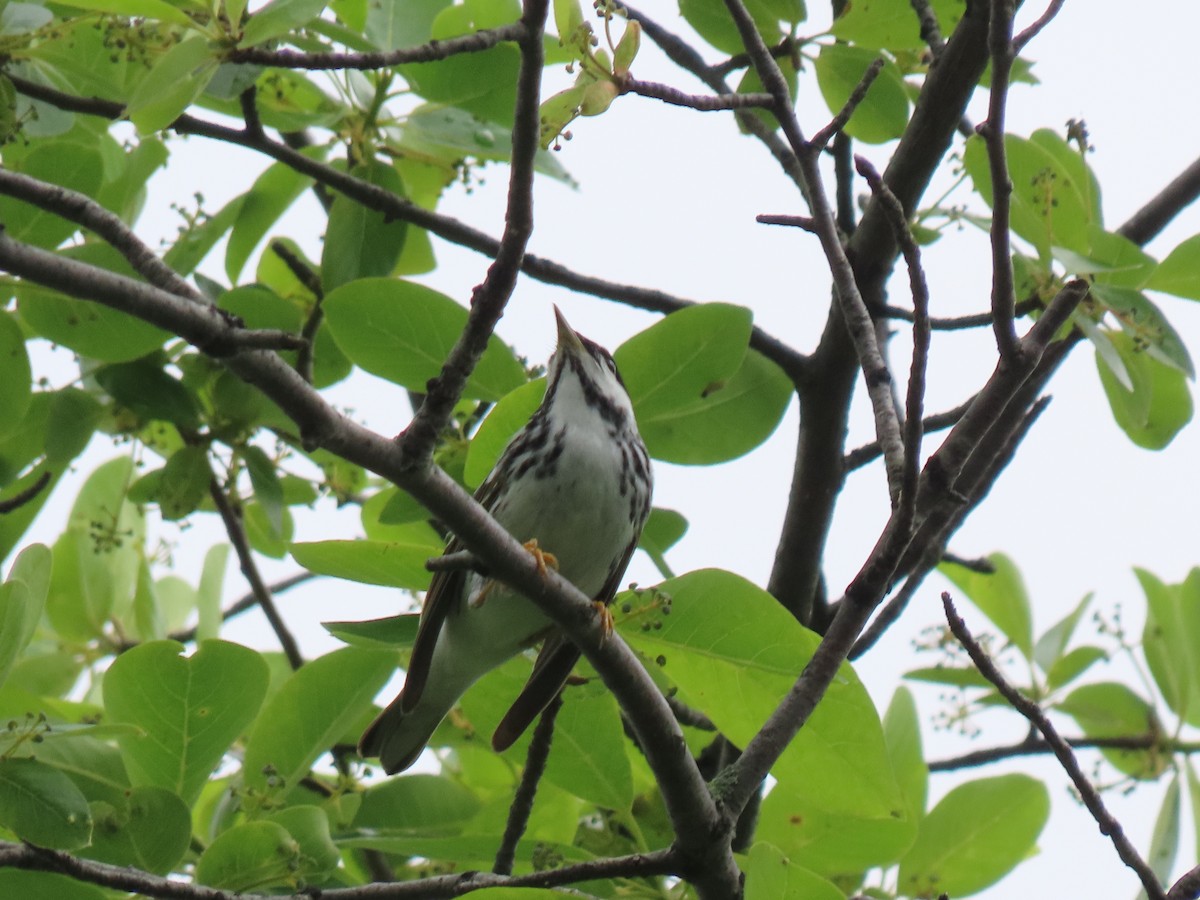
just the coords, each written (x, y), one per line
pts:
(568, 340)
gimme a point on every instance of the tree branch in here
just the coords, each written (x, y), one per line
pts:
(689, 805)
(1146, 224)
(446, 227)
(1031, 711)
(16, 501)
(531, 777)
(1003, 293)
(1035, 746)
(258, 587)
(123, 878)
(489, 299)
(699, 102)
(475, 42)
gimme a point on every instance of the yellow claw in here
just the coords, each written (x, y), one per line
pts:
(545, 560)
(606, 618)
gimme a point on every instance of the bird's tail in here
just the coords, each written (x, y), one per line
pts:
(398, 737)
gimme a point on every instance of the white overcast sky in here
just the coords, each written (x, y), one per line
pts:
(667, 199)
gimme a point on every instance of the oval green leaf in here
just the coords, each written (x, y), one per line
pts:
(386, 563)
(404, 331)
(883, 113)
(189, 710)
(40, 804)
(362, 242)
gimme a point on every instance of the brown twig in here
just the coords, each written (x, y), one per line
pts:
(245, 603)
(489, 298)
(1041, 22)
(232, 520)
(1035, 746)
(16, 501)
(960, 323)
(531, 777)
(931, 34)
(699, 102)
(1003, 295)
(475, 42)
(836, 125)
(860, 456)
(804, 223)
(312, 322)
(1062, 751)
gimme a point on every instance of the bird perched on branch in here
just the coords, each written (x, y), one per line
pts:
(574, 485)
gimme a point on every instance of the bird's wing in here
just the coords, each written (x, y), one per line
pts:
(445, 591)
(554, 664)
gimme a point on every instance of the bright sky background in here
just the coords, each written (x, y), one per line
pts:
(667, 199)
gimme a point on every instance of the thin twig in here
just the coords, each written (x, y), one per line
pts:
(16, 501)
(1033, 30)
(262, 594)
(960, 323)
(804, 223)
(248, 99)
(1035, 746)
(489, 298)
(1187, 887)
(836, 125)
(475, 42)
(786, 48)
(1003, 294)
(463, 560)
(245, 603)
(699, 102)
(860, 456)
(931, 34)
(914, 407)
(1031, 711)
(312, 322)
(531, 777)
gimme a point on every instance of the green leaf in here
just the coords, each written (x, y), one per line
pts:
(190, 710)
(975, 836)
(183, 483)
(150, 830)
(73, 417)
(390, 26)
(1110, 709)
(147, 390)
(269, 197)
(209, 591)
(772, 876)
(149, 9)
(1193, 785)
(902, 732)
(41, 805)
(312, 711)
(957, 676)
(1050, 205)
(46, 886)
(1170, 641)
(404, 331)
(891, 24)
(82, 588)
(1160, 403)
(588, 758)
(194, 244)
(737, 669)
(277, 18)
(1125, 264)
(1051, 645)
(417, 803)
(265, 480)
(393, 631)
(505, 419)
(484, 85)
(263, 536)
(1001, 596)
(361, 242)
(249, 856)
(172, 85)
(663, 530)
(1145, 323)
(699, 397)
(22, 599)
(387, 563)
(67, 164)
(1179, 273)
(883, 113)
(309, 827)
(1164, 841)
(1073, 664)
(16, 380)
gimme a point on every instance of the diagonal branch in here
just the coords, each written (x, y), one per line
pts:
(1031, 711)
(447, 227)
(489, 299)
(691, 809)
(699, 102)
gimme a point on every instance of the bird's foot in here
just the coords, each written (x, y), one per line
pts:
(545, 560)
(606, 618)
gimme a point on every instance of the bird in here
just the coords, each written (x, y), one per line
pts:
(574, 486)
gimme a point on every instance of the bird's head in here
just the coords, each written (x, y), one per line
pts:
(582, 375)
